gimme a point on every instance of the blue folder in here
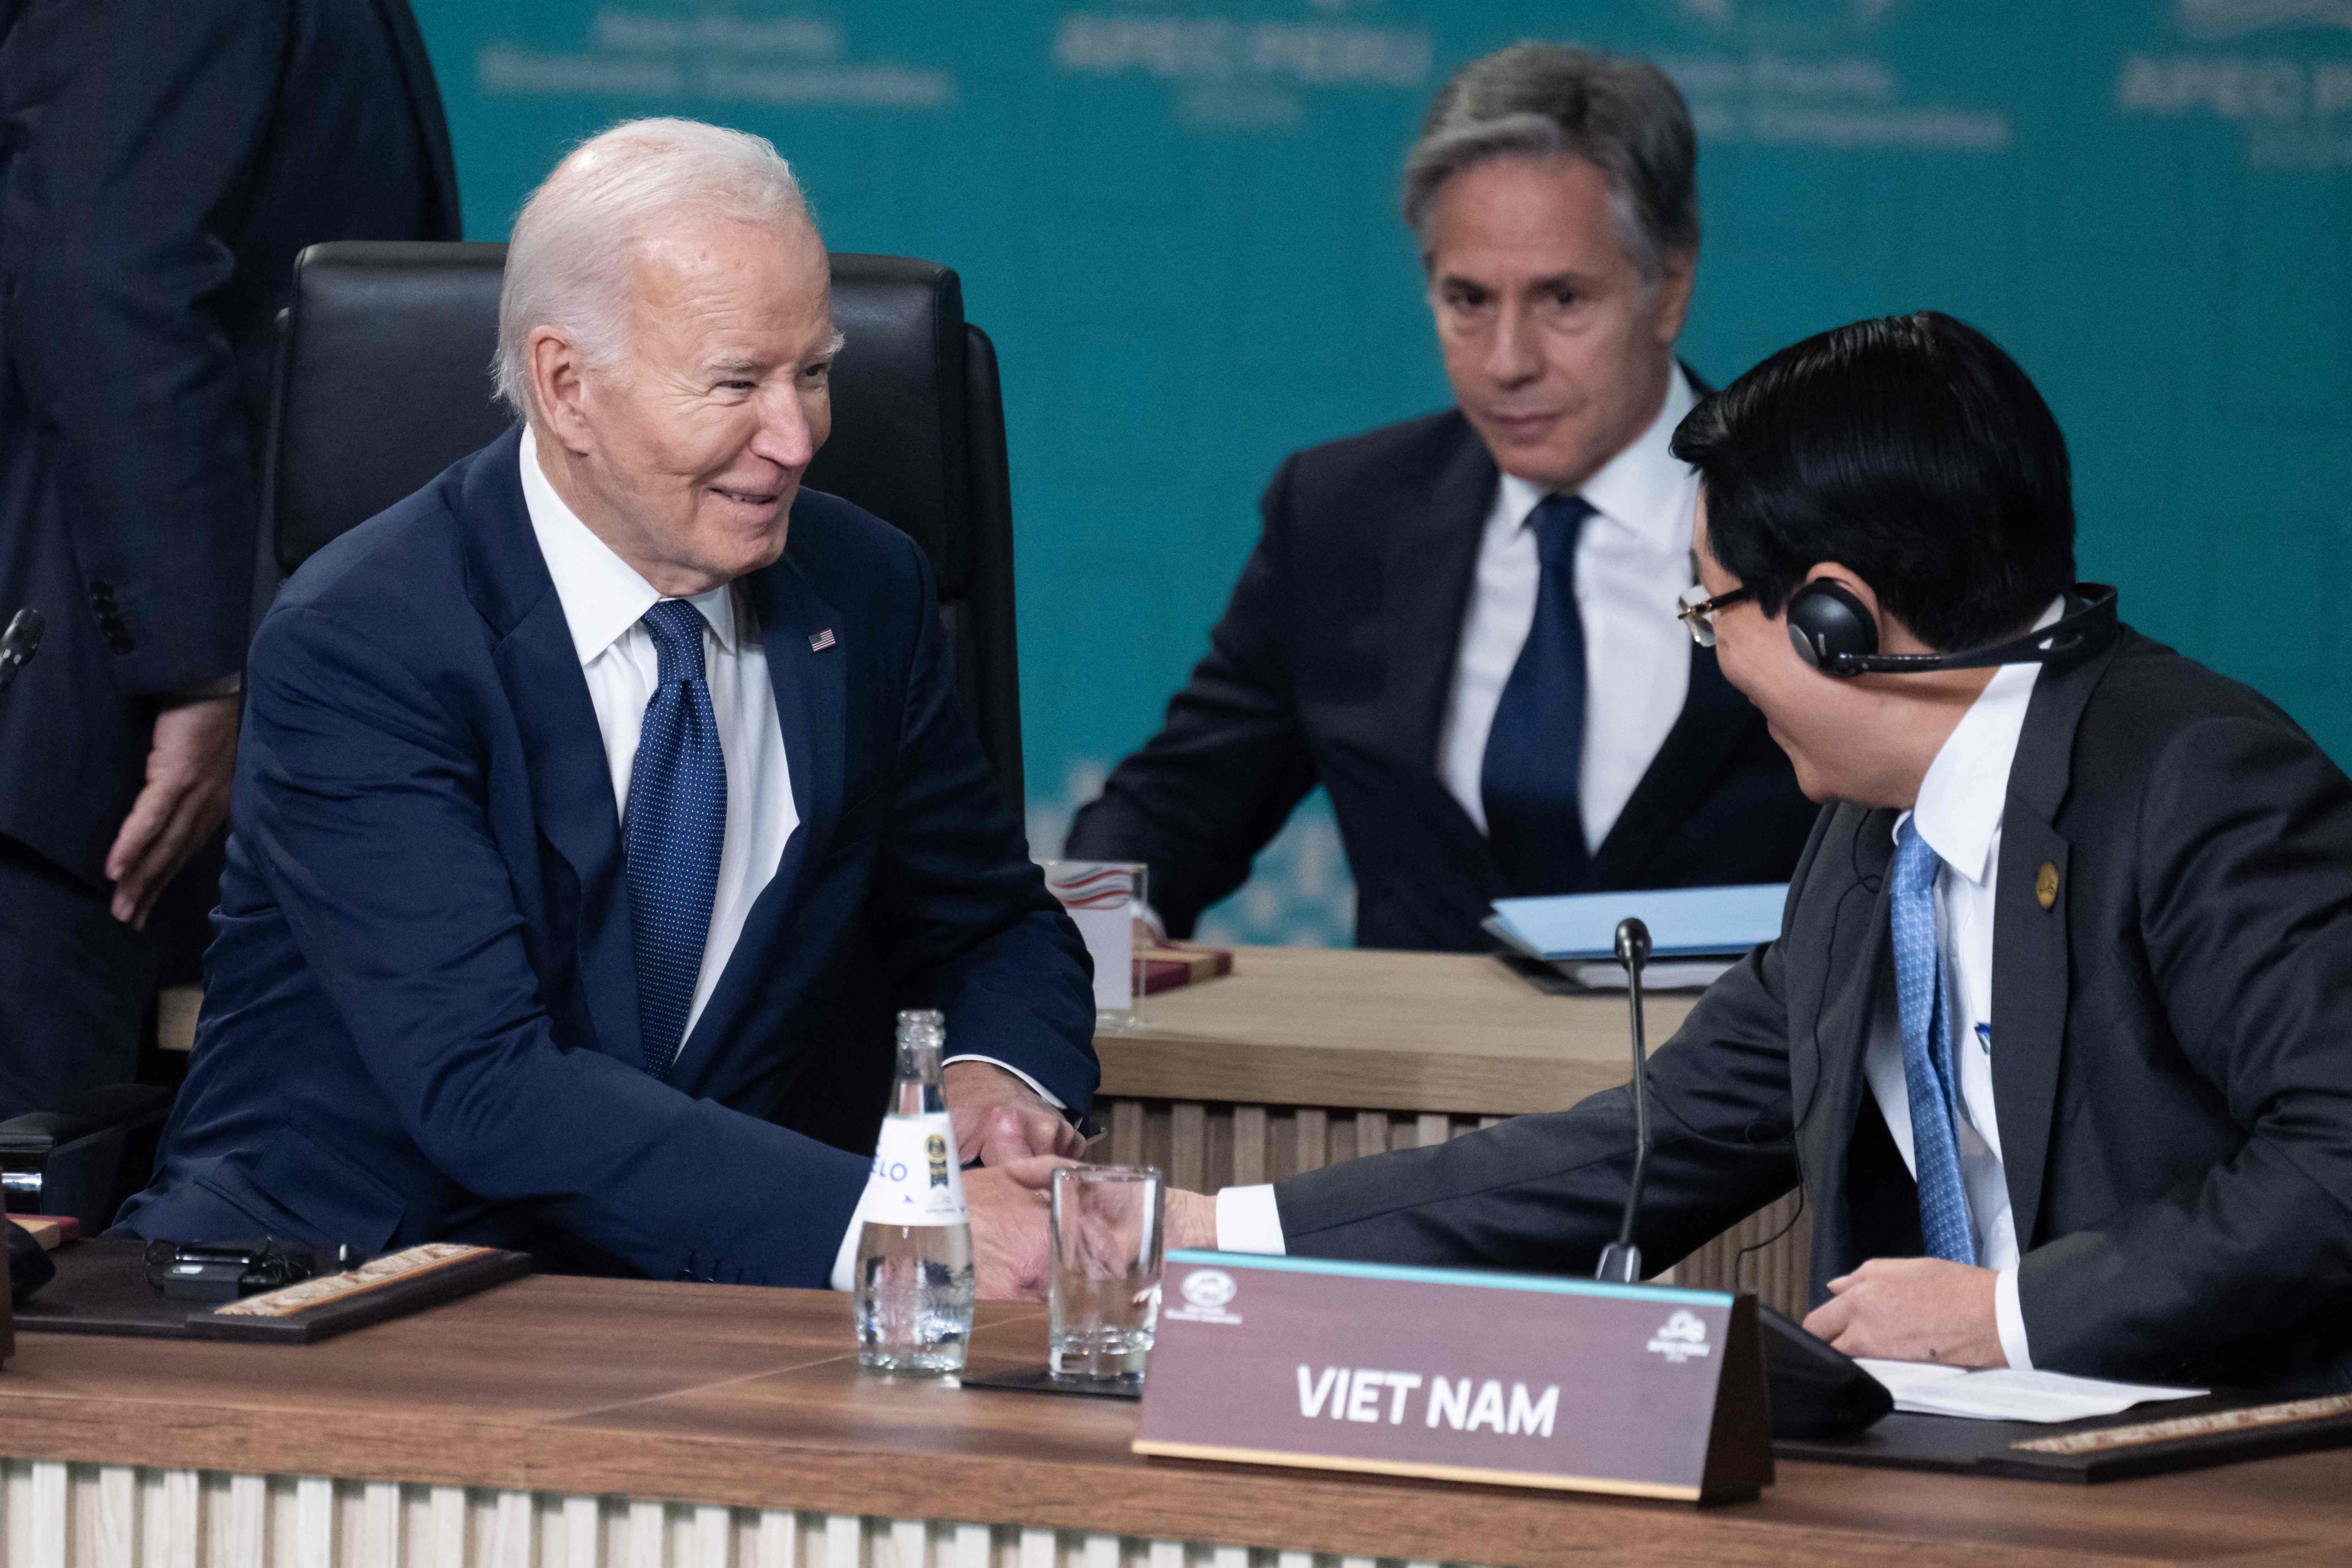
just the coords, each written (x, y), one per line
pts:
(1685, 922)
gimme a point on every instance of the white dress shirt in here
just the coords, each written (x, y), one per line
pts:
(604, 601)
(1632, 562)
(1959, 811)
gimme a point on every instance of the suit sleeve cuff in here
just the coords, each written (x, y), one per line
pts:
(1047, 1095)
(2009, 1317)
(1247, 1220)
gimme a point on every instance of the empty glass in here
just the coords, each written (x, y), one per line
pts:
(1103, 1291)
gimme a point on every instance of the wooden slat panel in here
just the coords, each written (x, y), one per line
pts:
(1251, 1156)
(1204, 1147)
(2278, 1513)
(583, 1533)
(1188, 1144)
(1314, 1140)
(114, 1521)
(180, 1519)
(314, 1522)
(1127, 1132)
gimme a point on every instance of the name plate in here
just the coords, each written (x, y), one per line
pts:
(1640, 1390)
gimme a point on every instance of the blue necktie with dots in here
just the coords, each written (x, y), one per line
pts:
(1930, 1074)
(1528, 779)
(677, 827)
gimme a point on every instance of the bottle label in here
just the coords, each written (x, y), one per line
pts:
(916, 1180)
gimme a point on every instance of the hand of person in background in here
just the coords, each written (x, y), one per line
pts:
(1192, 1220)
(1913, 1309)
(1008, 1209)
(998, 1119)
(190, 764)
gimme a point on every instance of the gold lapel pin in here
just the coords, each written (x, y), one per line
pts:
(2045, 884)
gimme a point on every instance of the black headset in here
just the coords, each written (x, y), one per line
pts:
(1834, 633)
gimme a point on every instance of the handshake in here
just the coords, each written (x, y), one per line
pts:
(1020, 1141)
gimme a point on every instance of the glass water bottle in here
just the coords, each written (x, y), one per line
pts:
(914, 1281)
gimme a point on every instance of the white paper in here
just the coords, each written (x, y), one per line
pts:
(1109, 936)
(2005, 1394)
(1669, 974)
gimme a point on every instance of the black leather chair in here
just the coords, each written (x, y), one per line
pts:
(385, 381)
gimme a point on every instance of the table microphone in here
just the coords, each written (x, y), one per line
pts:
(19, 643)
(1621, 1260)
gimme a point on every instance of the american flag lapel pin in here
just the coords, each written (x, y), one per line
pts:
(821, 641)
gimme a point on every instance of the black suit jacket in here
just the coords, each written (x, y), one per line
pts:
(1332, 666)
(2172, 1061)
(161, 163)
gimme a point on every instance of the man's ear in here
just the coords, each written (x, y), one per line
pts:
(1677, 271)
(559, 389)
(1894, 637)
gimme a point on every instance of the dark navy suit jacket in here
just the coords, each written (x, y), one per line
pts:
(1332, 666)
(162, 164)
(421, 1012)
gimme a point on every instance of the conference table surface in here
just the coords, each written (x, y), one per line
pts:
(1435, 1031)
(752, 1398)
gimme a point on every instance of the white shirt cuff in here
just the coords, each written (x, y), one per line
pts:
(1047, 1095)
(1247, 1220)
(844, 1261)
(2009, 1319)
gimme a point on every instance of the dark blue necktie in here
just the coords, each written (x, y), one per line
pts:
(677, 827)
(1535, 822)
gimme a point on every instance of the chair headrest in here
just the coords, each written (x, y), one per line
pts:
(385, 381)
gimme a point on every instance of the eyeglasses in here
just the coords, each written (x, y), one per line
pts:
(1698, 610)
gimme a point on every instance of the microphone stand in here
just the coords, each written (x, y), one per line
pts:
(1621, 1260)
(19, 643)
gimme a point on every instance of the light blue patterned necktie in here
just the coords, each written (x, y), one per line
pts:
(675, 829)
(1928, 1072)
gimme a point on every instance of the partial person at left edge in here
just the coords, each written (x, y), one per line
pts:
(599, 805)
(162, 164)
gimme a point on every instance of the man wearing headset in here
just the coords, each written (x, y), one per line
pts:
(2057, 1034)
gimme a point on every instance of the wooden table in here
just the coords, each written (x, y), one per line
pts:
(1305, 1056)
(623, 1424)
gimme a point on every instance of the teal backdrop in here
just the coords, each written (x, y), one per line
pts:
(1177, 219)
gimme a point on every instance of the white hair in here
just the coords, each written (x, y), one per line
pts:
(571, 260)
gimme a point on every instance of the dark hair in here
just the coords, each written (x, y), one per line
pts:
(1622, 115)
(1910, 449)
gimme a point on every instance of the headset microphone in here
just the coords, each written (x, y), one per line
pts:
(1833, 632)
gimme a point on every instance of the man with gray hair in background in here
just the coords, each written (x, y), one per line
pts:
(599, 804)
(1463, 626)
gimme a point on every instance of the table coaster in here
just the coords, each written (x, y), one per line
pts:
(1040, 1379)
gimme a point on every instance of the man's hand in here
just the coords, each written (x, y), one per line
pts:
(1008, 1208)
(998, 1119)
(190, 764)
(1192, 1220)
(1913, 1309)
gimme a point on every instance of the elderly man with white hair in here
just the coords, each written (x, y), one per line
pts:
(600, 804)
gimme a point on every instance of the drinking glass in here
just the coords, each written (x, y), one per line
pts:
(1103, 1299)
(1104, 898)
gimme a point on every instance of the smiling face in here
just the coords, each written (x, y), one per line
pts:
(686, 455)
(1558, 348)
